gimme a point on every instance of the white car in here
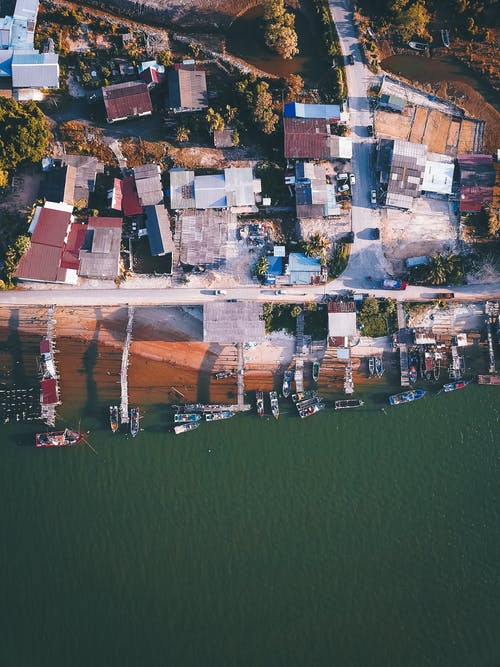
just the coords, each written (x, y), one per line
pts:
(342, 177)
(373, 197)
(218, 292)
(352, 179)
(279, 291)
(343, 188)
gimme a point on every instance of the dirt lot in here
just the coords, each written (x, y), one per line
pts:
(392, 125)
(429, 229)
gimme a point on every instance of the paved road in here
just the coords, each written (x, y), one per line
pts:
(188, 296)
(366, 253)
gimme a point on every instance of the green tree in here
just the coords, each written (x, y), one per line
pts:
(296, 310)
(215, 120)
(164, 58)
(262, 112)
(13, 255)
(4, 178)
(294, 86)
(183, 133)
(317, 245)
(412, 20)
(370, 307)
(24, 135)
(235, 138)
(261, 266)
(279, 29)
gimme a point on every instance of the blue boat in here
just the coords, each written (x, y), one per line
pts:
(186, 417)
(406, 397)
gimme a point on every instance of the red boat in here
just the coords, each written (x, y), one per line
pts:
(66, 438)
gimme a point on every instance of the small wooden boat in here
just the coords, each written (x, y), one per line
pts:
(371, 366)
(309, 407)
(406, 397)
(275, 408)
(186, 417)
(183, 428)
(218, 415)
(379, 366)
(348, 403)
(287, 384)
(453, 386)
(445, 38)
(315, 371)
(134, 421)
(113, 417)
(220, 375)
(418, 46)
(412, 374)
(259, 396)
(66, 438)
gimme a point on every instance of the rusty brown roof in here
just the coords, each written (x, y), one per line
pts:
(126, 99)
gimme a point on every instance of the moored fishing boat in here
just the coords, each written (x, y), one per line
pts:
(445, 38)
(348, 403)
(412, 374)
(315, 371)
(309, 407)
(113, 417)
(287, 384)
(186, 417)
(134, 421)
(275, 408)
(459, 384)
(259, 396)
(418, 46)
(371, 366)
(406, 397)
(220, 375)
(379, 366)
(219, 414)
(183, 428)
(66, 438)
(303, 395)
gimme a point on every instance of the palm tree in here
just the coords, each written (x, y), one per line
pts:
(437, 273)
(261, 266)
(317, 245)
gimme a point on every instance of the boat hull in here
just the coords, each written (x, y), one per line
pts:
(184, 428)
(66, 438)
(134, 421)
(406, 397)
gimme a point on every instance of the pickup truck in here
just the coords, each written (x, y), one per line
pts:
(389, 283)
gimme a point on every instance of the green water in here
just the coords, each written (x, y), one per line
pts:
(346, 539)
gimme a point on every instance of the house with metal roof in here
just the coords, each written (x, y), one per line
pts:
(100, 253)
(130, 199)
(86, 169)
(235, 188)
(126, 100)
(314, 197)
(35, 70)
(391, 102)
(341, 322)
(187, 88)
(224, 138)
(477, 178)
(438, 175)
(50, 236)
(341, 147)
(330, 112)
(228, 322)
(401, 167)
(159, 232)
(303, 270)
(308, 138)
(206, 237)
(151, 73)
(148, 184)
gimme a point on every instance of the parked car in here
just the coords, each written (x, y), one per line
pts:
(445, 295)
(279, 291)
(342, 177)
(369, 129)
(350, 59)
(352, 179)
(218, 292)
(373, 196)
(375, 233)
(343, 188)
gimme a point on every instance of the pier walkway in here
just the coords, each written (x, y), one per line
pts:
(401, 316)
(241, 374)
(403, 362)
(50, 392)
(124, 417)
(491, 310)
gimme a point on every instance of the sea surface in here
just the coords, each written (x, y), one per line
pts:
(353, 538)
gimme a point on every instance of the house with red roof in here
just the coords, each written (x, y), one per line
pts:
(127, 100)
(52, 255)
(477, 178)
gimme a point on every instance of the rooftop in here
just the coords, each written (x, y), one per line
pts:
(302, 269)
(341, 319)
(100, 254)
(159, 232)
(125, 100)
(407, 165)
(308, 138)
(325, 111)
(477, 178)
(148, 184)
(240, 322)
(187, 88)
(204, 237)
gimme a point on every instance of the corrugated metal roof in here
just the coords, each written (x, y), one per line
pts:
(181, 189)
(210, 191)
(203, 236)
(130, 198)
(438, 177)
(299, 110)
(124, 100)
(311, 197)
(239, 322)
(39, 263)
(406, 173)
(52, 227)
(302, 268)
(49, 391)
(159, 232)
(477, 178)
(307, 138)
(148, 184)
(35, 70)
(341, 324)
(71, 251)
(187, 88)
(86, 169)
(240, 186)
(224, 138)
(26, 9)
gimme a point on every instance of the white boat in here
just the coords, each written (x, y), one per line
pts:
(183, 428)
(216, 416)
(275, 408)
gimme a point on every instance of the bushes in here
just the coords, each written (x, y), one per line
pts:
(338, 264)
(336, 87)
(377, 317)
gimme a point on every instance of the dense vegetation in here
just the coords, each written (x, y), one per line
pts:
(337, 86)
(282, 317)
(377, 317)
(441, 270)
(279, 29)
(25, 133)
(411, 18)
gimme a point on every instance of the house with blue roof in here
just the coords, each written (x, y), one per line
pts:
(159, 232)
(303, 270)
(274, 270)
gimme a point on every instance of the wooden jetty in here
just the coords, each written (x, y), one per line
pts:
(401, 316)
(489, 379)
(491, 311)
(49, 390)
(124, 416)
(403, 361)
(299, 375)
(348, 378)
(241, 374)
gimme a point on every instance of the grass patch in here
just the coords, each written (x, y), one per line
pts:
(377, 317)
